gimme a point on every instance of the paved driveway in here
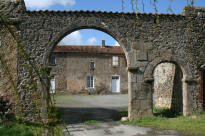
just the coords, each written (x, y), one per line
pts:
(80, 108)
(103, 108)
(90, 101)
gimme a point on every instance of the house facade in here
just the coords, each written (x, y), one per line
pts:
(89, 70)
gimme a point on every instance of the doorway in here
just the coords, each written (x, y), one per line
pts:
(167, 90)
(115, 84)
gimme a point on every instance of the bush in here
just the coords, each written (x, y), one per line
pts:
(166, 112)
(5, 108)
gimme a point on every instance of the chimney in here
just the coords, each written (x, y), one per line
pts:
(103, 43)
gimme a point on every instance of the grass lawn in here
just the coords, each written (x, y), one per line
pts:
(194, 124)
(15, 128)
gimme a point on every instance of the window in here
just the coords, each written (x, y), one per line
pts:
(52, 84)
(92, 65)
(115, 61)
(90, 82)
(53, 59)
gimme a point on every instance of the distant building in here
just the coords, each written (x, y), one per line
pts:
(88, 69)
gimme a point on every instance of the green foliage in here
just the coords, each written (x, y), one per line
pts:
(91, 122)
(136, 4)
(194, 125)
(14, 130)
(166, 112)
(25, 128)
(117, 116)
(199, 113)
(35, 85)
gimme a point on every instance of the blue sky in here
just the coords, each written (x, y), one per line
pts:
(94, 37)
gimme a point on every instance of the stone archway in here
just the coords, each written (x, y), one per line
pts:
(143, 40)
(167, 87)
(79, 82)
(186, 80)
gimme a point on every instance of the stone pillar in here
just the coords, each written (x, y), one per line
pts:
(140, 95)
(188, 87)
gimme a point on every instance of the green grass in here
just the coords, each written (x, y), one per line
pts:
(14, 128)
(165, 112)
(91, 122)
(194, 125)
(18, 127)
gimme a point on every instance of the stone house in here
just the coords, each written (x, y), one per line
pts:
(88, 69)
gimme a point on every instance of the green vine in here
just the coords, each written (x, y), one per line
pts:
(154, 5)
(37, 74)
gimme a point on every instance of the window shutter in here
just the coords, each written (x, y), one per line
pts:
(91, 81)
(118, 61)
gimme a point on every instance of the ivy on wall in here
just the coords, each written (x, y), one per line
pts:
(37, 82)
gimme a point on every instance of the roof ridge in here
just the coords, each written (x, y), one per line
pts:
(102, 12)
(89, 49)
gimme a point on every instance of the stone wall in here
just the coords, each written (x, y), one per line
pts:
(147, 40)
(71, 70)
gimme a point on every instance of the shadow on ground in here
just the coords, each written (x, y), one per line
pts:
(81, 115)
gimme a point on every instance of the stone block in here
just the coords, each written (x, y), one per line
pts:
(141, 91)
(132, 77)
(142, 45)
(142, 55)
(140, 77)
(139, 108)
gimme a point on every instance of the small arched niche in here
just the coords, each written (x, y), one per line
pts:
(168, 88)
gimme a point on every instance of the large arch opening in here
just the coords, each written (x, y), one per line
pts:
(89, 63)
(168, 90)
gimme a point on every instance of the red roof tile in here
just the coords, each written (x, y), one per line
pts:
(90, 49)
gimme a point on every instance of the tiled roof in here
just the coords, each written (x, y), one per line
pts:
(89, 49)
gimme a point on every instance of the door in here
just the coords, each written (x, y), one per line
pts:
(115, 83)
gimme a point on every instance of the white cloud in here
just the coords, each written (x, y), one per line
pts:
(116, 44)
(91, 41)
(75, 38)
(42, 4)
